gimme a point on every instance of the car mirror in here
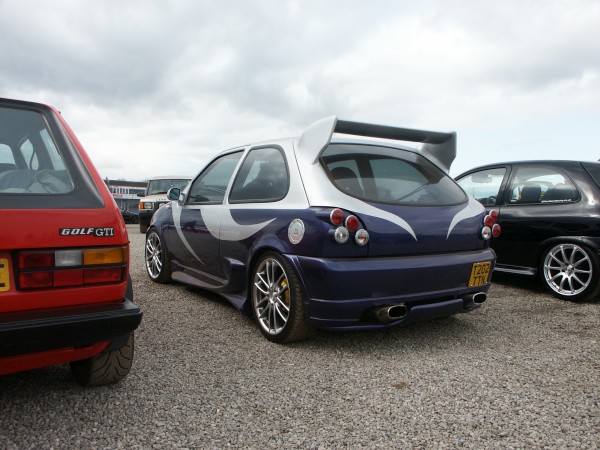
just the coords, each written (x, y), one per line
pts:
(173, 193)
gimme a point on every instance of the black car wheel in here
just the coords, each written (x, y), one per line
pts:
(105, 368)
(570, 272)
(158, 264)
(277, 300)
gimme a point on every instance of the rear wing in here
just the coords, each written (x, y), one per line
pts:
(437, 146)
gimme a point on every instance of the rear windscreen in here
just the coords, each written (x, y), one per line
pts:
(389, 175)
(30, 161)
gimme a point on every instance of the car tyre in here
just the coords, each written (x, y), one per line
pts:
(105, 368)
(143, 228)
(278, 300)
(158, 263)
(571, 272)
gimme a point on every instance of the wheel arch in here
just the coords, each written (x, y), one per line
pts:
(592, 243)
(253, 261)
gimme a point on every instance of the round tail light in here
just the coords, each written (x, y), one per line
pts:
(496, 230)
(341, 235)
(337, 216)
(361, 237)
(352, 223)
(486, 233)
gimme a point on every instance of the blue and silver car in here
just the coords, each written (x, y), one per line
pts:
(345, 227)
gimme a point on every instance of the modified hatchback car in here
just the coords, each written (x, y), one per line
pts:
(329, 231)
(550, 217)
(65, 291)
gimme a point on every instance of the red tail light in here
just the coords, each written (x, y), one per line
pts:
(352, 223)
(490, 227)
(337, 216)
(496, 230)
(72, 267)
(345, 227)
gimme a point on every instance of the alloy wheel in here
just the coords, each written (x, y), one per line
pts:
(271, 296)
(568, 269)
(153, 255)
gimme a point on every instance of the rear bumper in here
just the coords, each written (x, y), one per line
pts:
(340, 292)
(40, 331)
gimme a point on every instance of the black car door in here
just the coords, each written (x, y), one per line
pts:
(536, 205)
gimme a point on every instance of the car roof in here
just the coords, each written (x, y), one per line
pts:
(533, 162)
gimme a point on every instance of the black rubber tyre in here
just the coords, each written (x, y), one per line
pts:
(277, 300)
(158, 263)
(105, 368)
(571, 272)
(143, 228)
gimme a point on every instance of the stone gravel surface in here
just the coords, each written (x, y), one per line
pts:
(521, 372)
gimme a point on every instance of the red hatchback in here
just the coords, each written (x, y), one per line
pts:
(65, 290)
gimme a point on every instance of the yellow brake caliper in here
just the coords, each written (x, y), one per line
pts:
(286, 296)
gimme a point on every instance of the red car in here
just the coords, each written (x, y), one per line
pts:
(65, 289)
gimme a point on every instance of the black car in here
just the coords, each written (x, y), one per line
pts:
(550, 217)
(129, 216)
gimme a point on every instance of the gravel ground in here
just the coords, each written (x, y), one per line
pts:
(521, 372)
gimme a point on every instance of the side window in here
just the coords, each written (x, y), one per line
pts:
(6, 156)
(53, 154)
(533, 185)
(211, 184)
(484, 186)
(263, 177)
(30, 156)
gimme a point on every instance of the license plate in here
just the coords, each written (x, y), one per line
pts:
(4, 275)
(480, 273)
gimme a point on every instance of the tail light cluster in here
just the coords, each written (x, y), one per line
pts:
(72, 267)
(490, 226)
(345, 225)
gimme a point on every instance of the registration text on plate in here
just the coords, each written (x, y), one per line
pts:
(480, 273)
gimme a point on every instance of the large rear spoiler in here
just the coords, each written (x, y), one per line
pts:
(437, 146)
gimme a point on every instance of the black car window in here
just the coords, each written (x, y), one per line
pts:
(32, 162)
(211, 184)
(263, 177)
(389, 175)
(534, 185)
(484, 185)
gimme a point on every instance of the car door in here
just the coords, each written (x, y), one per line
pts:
(194, 240)
(536, 200)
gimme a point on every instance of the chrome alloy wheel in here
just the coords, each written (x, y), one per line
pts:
(153, 256)
(568, 269)
(271, 296)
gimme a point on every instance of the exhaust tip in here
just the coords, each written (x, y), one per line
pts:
(388, 313)
(474, 300)
(479, 298)
(397, 312)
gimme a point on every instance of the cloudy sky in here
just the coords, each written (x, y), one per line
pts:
(158, 87)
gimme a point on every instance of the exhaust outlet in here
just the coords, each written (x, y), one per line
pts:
(390, 313)
(476, 299)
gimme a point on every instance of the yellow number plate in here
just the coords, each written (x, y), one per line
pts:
(480, 273)
(4, 275)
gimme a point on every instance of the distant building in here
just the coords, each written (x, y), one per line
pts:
(125, 192)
